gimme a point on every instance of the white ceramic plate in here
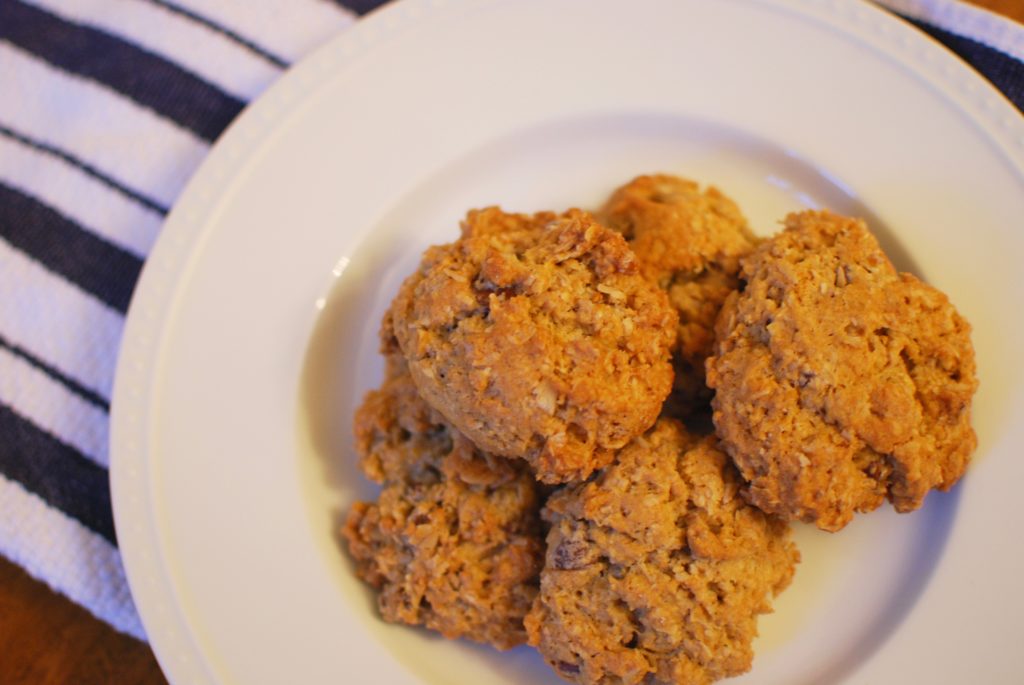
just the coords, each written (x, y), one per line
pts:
(253, 332)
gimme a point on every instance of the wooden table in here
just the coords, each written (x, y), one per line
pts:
(47, 640)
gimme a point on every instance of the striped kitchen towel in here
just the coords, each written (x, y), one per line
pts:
(988, 42)
(106, 109)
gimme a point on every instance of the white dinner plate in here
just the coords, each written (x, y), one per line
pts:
(252, 335)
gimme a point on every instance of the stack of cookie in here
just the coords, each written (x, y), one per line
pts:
(538, 434)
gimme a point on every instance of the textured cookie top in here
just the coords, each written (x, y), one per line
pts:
(675, 228)
(689, 242)
(396, 432)
(536, 337)
(454, 541)
(656, 568)
(840, 382)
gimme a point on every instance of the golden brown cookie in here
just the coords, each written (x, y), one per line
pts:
(840, 382)
(454, 541)
(689, 242)
(536, 337)
(396, 431)
(656, 568)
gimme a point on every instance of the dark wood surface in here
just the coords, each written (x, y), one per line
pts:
(47, 640)
(1011, 8)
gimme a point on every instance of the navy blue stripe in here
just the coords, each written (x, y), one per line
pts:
(1005, 72)
(222, 30)
(85, 168)
(71, 384)
(55, 471)
(360, 6)
(62, 246)
(148, 79)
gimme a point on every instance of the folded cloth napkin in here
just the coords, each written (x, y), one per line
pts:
(106, 108)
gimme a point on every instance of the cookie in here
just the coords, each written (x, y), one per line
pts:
(453, 543)
(689, 242)
(537, 337)
(656, 568)
(840, 382)
(396, 431)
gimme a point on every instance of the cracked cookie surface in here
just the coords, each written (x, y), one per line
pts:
(536, 336)
(656, 568)
(840, 382)
(453, 542)
(689, 242)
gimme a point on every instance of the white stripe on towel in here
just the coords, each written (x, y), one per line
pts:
(92, 204)
(97, 125)
(192, 46)
(310, 22)
(54, 408)
(67, 556)
(57, 322)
